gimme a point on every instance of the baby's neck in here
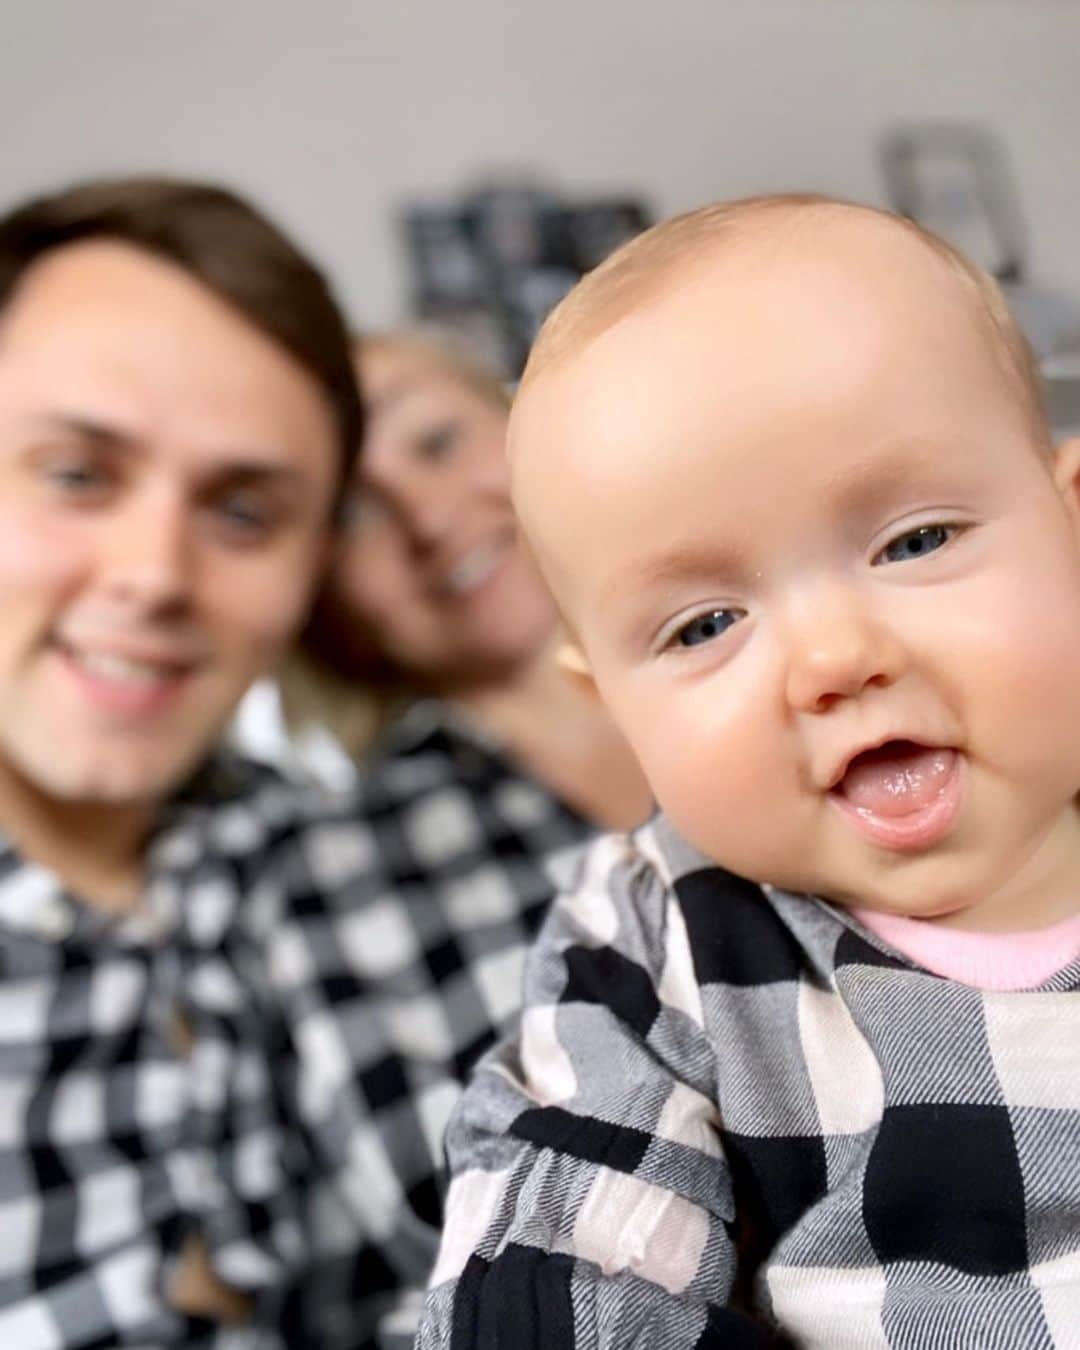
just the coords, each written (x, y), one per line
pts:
(1017, 935)
(1039, 888)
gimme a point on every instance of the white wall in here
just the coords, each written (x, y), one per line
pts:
(333, 110)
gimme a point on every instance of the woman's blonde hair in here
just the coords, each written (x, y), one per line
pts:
(354, 711)
(316, 690)
(444, 351)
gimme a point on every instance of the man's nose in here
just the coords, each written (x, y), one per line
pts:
(838, 646)
(148, 553)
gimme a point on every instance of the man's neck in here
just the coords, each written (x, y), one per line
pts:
(96, 850)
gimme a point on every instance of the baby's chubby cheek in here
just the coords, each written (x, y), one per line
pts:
(721, 793)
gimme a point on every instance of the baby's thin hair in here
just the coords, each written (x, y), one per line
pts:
(640, 269)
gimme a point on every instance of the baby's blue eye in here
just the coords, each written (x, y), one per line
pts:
(705, 627)
(916, 543)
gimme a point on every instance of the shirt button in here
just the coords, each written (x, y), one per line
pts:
(54, 921)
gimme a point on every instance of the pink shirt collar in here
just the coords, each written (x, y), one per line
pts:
(1000, 961)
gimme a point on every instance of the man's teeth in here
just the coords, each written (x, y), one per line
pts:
(106, 666)
(474, 569)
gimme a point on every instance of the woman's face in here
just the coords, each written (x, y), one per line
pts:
(431, 566)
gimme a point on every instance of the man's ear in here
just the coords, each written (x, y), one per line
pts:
(1067, 476)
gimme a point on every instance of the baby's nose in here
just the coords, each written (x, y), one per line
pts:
(836, 649)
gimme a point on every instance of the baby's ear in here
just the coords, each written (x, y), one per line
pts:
(1067, 476)
(574, 661)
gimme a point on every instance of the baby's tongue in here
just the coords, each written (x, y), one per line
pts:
(897, 778)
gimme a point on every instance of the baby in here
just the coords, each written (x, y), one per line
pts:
(800, 1059)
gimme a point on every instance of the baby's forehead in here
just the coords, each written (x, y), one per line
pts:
(804, 302)
(768, 243)
(737, 355)
(829, 272)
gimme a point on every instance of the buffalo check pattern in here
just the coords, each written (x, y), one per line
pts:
(387, 942)
(135, 1102)
(267, 1053)
(733, 1117)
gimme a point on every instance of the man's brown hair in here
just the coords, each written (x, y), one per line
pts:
(219, 240)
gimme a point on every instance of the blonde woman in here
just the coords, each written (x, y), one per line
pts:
(431, 596)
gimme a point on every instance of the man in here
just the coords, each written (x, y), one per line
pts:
(177, 416)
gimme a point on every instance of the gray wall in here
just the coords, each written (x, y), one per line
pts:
(332, 111)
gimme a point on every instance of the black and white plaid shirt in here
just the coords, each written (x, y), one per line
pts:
(135, 1105)
(335, 967)
(733, 1117)
(389, 936)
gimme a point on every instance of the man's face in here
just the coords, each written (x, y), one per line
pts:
(824, 577)
(165, 479)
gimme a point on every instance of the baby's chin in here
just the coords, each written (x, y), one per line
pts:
(948, 910)
(897, 901)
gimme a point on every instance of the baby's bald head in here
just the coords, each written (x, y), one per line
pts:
(724, 248)
(654, 260)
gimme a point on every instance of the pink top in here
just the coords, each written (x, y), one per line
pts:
(1002, 961)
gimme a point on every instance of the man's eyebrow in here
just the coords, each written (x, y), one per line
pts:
(247, 468)
(255, 472)
(87, 428)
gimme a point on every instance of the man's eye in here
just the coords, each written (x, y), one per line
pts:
(245, 515)
(704, 628)
(914, 544)
(75, 478)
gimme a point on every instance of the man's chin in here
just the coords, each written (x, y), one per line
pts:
(111, 780)
(137, 791)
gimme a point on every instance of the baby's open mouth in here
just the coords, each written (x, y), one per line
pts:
(897, 778)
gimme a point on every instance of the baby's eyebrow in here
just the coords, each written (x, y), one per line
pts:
(722, 563)
(859, 486)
